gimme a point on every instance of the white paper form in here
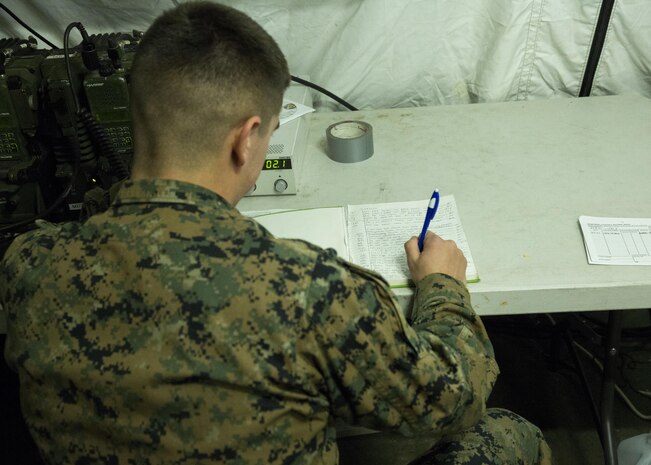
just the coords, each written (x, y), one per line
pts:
(321, 226)
(617, 241)
(292, 110)
(377, 233)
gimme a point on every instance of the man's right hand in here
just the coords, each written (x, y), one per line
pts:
(438, 256)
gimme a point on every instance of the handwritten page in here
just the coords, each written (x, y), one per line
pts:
(371, 236)
(617, 241)
(377, 233)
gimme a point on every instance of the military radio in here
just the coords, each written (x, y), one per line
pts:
(64, 125)
(90, 108)
(20, 79)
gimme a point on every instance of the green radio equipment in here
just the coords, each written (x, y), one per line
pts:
(88, 98)
(107, 90)
(65, 127)
(21, 153)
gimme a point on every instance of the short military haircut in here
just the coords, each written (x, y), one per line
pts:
(203, 68)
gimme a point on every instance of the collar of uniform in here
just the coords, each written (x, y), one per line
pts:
(168, 191)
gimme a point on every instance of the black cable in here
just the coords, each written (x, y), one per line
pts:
(66, 57)
(100, 137)
(324, 91)
(26, 26)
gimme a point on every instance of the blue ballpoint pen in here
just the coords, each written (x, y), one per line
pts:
(429, 216)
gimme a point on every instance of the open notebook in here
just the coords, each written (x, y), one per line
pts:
(371, 236)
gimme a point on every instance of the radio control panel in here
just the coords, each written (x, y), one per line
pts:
(286, 150)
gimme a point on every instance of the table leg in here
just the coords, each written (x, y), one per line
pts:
(611, 353)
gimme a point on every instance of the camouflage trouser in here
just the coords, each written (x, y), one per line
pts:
(501, 437)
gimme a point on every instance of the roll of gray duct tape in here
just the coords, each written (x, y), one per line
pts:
(350, 141)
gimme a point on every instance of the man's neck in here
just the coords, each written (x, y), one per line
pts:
(205, 179)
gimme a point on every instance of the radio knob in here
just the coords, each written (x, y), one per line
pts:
(280, 185)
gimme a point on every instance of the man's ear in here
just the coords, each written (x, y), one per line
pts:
(242, 145)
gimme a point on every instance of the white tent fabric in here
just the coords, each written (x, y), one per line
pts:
(398, 53)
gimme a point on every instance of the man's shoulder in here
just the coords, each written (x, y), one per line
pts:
(37, 241)
(29, 254)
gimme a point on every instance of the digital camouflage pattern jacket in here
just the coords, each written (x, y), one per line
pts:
(171, 329)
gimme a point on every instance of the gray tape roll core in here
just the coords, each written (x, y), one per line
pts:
(350, 141)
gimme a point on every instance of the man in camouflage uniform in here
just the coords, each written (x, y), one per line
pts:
(171, 329)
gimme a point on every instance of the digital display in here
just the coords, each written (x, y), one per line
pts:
(277, 164)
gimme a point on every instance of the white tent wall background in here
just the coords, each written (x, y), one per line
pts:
(400, 53)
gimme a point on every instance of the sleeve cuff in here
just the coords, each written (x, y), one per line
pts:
(439, 287)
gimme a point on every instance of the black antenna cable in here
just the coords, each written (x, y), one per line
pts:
(26, 26)
(325, 92)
